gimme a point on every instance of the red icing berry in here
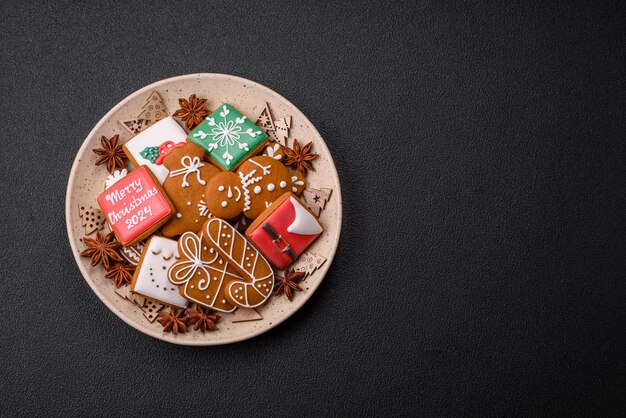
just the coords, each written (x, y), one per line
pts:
(165, 149)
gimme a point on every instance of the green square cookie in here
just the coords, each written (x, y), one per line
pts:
(228, 137)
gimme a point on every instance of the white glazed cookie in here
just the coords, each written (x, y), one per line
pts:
(146, 147)
(150, 279)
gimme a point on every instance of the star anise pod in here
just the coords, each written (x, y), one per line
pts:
(111, 153)
(102, 249)
(203, 319)
(288, 284)
(300, 158)
(174, 321)
(192, 112)
(120, 273)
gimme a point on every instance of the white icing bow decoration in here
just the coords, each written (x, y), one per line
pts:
(191, 247)
(189, 166)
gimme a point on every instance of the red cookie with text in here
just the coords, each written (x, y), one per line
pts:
(136, 206)
(284, 230)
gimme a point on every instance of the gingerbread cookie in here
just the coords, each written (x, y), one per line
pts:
(228, 137)
(135, 206)
(150, 278)
(258, 182)
(258, 277)
(202, 273)
(284, 230)
(150, 146)
(185, 184)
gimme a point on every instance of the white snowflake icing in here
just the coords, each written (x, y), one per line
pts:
(114, 178)
(226, 134)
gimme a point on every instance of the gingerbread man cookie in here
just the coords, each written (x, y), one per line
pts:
(185, 184)
(258, 277)
(256, 184)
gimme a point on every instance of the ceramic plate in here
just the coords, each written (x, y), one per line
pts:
(87, 180)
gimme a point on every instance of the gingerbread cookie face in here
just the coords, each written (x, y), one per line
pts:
(258, 277)
(185, 186)
(150, 279)
(225, 196)
(284, 230)
(228, 137)
(135, 206)
(202, 273)
(258, 182)
(151, 144)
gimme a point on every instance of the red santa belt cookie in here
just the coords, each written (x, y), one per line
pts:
(284, 230)
(135, 206)
(257, 273)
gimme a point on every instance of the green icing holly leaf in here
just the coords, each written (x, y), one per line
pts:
(150, 153)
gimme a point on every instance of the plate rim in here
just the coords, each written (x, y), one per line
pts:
(162, 336)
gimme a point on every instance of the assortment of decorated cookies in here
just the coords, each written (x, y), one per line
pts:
(212, 216)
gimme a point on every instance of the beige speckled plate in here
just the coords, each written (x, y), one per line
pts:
(86, 182)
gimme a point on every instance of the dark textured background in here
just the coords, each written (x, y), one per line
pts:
(481, 155)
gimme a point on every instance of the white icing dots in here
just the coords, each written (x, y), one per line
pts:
(223, 300)
(225, 203)
(293, 189)
(270, 187)
(188, 203)
(221, 188)
(283, 184)
(257, 189)
(179, 215)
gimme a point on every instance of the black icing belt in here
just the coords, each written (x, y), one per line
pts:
(277, 237)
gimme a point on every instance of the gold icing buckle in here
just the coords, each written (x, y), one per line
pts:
(285, 245)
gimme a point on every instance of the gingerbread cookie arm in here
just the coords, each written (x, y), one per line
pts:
(258, 275)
